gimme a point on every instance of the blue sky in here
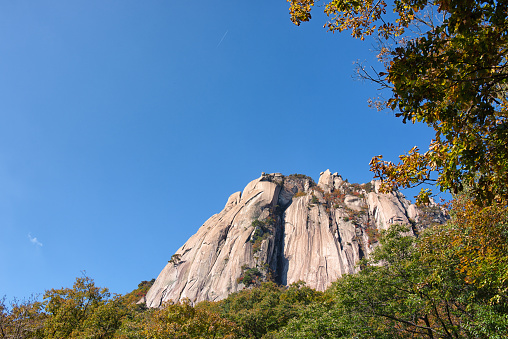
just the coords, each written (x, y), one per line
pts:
(126, 124)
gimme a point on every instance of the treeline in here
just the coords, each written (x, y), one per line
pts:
(450, 282)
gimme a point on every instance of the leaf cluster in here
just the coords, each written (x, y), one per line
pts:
(262, 311)
(21, 319)
(183, 321)
(84, 310)
(444, 64)
(139, 293)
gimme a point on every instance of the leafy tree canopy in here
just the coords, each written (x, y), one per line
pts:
(262, 310)
(408, 288)
(182, 321)
(478, 239)
(445, 65)
(83, 311)
(21, 319)
(138, 294)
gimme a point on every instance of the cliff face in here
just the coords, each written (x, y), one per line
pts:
(286, 229)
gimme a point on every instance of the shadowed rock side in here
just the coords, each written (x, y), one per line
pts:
(286, 229)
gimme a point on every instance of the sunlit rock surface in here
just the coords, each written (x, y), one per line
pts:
(285, 229)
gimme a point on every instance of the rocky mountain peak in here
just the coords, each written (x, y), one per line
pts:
(285, 229)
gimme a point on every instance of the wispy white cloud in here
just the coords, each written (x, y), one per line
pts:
(222, 38)
(34, 240)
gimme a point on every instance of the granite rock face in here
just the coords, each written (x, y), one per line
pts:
(285, 229)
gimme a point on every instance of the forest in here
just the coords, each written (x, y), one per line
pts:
(444, 64)
(449, 282)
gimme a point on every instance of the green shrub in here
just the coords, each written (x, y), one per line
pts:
(250, 276)
(314, 200)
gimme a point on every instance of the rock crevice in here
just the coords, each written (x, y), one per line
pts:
(285, 229)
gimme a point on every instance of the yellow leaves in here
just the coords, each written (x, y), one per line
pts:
(480, 239)
(449, 77)
(21, 319)
(360, 16)
(83, 311)
(357, 16)
(391, 103)
(182, 320)
(299, 10)
(413, 169)
(424, 197)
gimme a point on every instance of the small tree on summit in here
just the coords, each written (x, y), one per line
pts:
(175, 259)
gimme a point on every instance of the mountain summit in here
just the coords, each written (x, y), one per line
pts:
(285, 229)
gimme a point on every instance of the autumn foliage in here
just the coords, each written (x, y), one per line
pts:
(443, 64)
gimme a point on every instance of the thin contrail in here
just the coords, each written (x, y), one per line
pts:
(222, 38)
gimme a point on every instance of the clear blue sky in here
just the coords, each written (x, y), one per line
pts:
(126, 124)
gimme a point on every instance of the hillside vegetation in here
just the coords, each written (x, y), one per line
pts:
(444, 284)
(445, 65)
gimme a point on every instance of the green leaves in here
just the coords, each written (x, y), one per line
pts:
(82, 311)
(447, 69)
(182, 321)
(408, 287)
(261, 311)
(448, 80)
